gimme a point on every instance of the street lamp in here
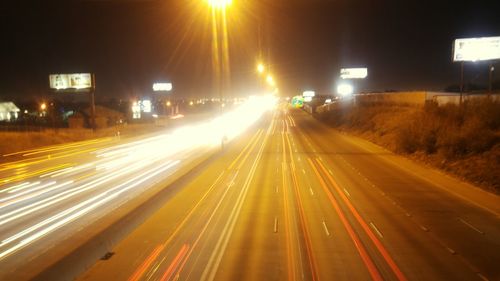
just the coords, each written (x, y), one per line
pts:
(270, 80)
(43, 106)
(219, 3)
(260, 68)
(345, 89)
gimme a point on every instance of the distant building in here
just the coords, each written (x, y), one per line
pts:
(8, 111)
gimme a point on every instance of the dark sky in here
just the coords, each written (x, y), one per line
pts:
(130, 43)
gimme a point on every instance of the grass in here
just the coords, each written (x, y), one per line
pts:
(19, 141)
(464, 141)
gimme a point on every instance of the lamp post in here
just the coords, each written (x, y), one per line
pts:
(260, 68)
(220, 45)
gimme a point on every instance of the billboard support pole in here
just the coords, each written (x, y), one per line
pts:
(461, 81)
(92, 104)
(490, 71)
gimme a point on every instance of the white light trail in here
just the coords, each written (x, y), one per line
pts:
(104, 197)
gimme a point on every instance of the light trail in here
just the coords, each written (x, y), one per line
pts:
(52, 197)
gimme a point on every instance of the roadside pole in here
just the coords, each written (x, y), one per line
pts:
(490, 70)
(92, 104)
(461, 82)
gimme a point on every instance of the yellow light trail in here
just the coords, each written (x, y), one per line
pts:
(58, 147)
(34, 173)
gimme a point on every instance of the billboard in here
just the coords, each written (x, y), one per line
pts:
(308, 94)
(476, 49)
(354, 73)
(73, 81)
(162, 87)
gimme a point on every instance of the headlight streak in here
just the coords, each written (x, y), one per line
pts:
(20, 212)
(56, 172)
(33, 194)
(29, 190)
(108, 195)
(23, 185)
(72, 170)
(150, 157)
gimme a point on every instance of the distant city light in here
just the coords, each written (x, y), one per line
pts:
(43, 106)
(270, 80)
(136, 110)
(146, 106)
(345, 89)
(260, 68)
(162, 87)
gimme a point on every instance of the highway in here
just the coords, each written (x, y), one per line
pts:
(292, 199)
(51, 198)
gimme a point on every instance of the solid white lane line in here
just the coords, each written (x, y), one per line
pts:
(471, 226)
(275, 224)
(482, 276)
(326, 229)
(453, 252)
(376, 230)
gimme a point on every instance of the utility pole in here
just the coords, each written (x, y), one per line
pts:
(92, 103)
(490, 70)
(461, 81)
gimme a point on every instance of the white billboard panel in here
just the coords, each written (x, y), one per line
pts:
(308, 94)
(476, 49)
(354, 73)
(70, 81)
(162, 87)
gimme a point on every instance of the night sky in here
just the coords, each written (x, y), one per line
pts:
(129, 44)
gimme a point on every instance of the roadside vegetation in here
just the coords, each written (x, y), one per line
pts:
(464, 141)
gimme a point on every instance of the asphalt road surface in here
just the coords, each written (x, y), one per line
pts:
(49, 195)
(292, 199)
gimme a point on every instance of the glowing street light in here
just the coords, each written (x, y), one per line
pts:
(345, 90)
(260, 68)
(270, 80)
(169, 103)
(221, 4)
(43, 106)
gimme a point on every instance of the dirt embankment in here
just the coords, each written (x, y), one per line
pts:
(464, 141)
(20, 141)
